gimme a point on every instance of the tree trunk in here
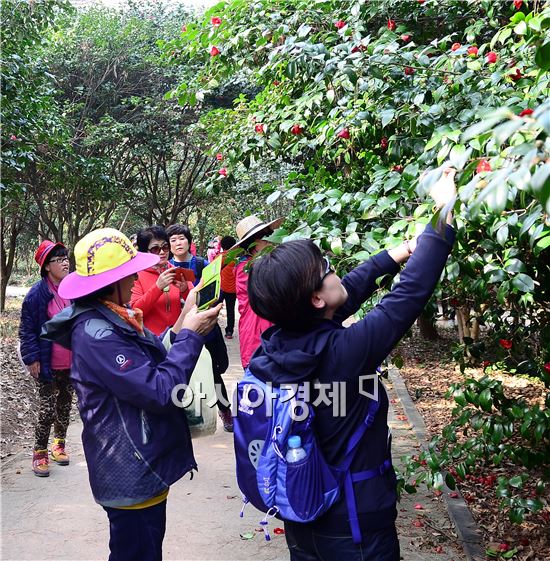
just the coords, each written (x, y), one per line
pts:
(427, 327)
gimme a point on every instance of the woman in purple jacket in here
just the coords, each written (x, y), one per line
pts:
(135, 437)
(308, 343)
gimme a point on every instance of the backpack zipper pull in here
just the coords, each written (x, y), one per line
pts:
(264, 522)
(245, 502)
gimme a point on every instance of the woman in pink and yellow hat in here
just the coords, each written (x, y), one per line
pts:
(135, 433)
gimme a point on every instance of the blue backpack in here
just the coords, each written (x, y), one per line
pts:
(300, 492)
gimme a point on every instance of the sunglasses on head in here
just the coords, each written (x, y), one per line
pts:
(327, 272)
(156, 249)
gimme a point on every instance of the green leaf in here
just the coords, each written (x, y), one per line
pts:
(516, 482)
(485, 400)
(523, 282)
(542, 56)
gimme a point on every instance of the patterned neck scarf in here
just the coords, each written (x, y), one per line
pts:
(133, 317)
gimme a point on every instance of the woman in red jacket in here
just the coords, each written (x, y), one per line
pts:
(156, 291)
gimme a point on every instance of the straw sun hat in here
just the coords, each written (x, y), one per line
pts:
(251, 225)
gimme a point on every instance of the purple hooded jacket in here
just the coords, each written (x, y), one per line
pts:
(136, 441)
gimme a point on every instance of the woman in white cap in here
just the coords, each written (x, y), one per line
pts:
(250, 232)
(135, 437)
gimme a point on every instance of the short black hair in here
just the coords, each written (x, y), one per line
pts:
(227, 242)
(282, 282)
(179, 230)
(57, 251)
(145, 235)
(97, 295)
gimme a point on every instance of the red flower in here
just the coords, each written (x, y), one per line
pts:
(384, 143)
(547, 367)
(259, 128)
(216, 22)
(483, 165)
(421, 1)
(491, 57)
(276, 82)
(526, 112)
(503, 547)
(398, 168)
(456, 46)
(486, 363)
(505, 344)
(409, 71)
(223, 171)
(472, 51)
(183, 28)
(13, 137)
(358, 48)
(219, 156)
(405, 38)
(296, 130)
(517, 76)
(344, 133)
(214, 51)
(518, 4)
(391, 25)
(340, 24)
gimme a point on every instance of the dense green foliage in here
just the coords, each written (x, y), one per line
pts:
(366, 103)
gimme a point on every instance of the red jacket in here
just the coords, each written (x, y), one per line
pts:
(251, 326)
(160, 309)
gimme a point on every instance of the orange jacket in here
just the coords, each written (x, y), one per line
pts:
(228, 278)
(160, 309)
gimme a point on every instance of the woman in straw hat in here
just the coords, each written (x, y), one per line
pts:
(250, 232)
(136, 440)
(48, 364)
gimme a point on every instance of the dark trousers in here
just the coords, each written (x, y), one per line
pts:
(215, 345)
(306, 544)
(54, 408)
(136, 535)
(230, 298)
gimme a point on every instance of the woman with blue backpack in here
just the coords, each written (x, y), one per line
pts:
(338, 495)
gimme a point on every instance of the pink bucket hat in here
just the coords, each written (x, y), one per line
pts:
(103, 257)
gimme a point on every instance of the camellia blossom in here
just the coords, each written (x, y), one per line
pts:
(505, 344)
(409, 71)
(405, 38)
(517, 75)
(526, 112)
(547, 367)
(398, 168)
(259, 128)
(13, 137)
(296, 129)
(491, 57)
(214, 51)
(344, 133)
(486, 363)
(223, 171)
(384, 143)
(456, 46)
(340, 24)
(483, 165)
(216, 22)
(391, 25)
(219, 156)
(183, 28)
(473, 50)
(518, 4)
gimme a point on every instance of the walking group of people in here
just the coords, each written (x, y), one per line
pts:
(99, 330)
